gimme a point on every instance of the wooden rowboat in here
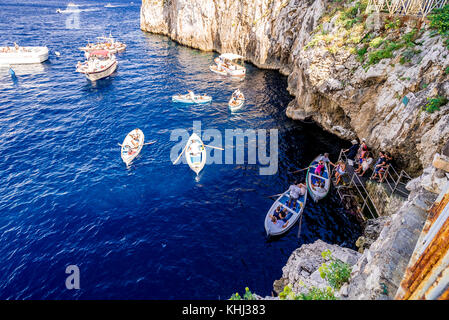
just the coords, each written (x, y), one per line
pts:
(187, 98)
(293, 213)
(132, 145)
(235, 103)
(195, 153)
(318, 185)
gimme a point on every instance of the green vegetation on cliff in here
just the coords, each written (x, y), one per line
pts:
(439, 20)
(374, 38)
(334, 271)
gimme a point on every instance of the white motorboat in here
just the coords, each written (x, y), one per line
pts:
(105, 43)
(23, 55)
(229, 62)
(100, 64)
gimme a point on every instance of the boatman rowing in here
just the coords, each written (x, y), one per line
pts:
(297, 190)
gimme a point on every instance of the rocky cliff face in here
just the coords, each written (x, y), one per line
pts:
(319, 45)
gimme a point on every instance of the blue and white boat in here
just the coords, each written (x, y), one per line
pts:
(195, 153)
(318, 185)
(293, 213)
(191, 98)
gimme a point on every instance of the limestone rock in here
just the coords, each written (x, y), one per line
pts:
(329, 84)
(302, 268)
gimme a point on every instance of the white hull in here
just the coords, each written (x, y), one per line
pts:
(312, 181)
(187, 99)
(273, 230)
(236, 104)
(217, 70)
(128, 154)
(196, 163)
(97, 75)
(35, 55)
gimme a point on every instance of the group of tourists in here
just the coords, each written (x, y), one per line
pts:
(361, 158)
(358, 156)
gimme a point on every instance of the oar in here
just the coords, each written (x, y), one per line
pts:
(149, 142)
(274, 195)
(299, 170)
(206, 145)
(300, 224)
(180, 154)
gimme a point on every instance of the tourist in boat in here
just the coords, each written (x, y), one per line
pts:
(297, 190)
(278, 222)
(195, 148)
(325, 159)
(135, 140)
(320, 188)
(237, 94)
(340, 170)
(352, 151)
(365, 164)
(277, 212)
(319, 168)
(191, 94)
(280, 214)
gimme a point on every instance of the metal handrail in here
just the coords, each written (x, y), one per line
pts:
(390, 176)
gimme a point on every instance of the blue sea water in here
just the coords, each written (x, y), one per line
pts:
(150, 231)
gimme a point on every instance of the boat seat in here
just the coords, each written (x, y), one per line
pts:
(195, 159)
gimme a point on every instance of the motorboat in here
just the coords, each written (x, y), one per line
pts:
(100, 64)
(23, 55)
(105, 43)
(232, 63)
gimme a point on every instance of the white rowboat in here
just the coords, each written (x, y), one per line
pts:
(318, 185)
(132, 145)
(236, 102)
(195, 153)
(187, 98)
(293, 213)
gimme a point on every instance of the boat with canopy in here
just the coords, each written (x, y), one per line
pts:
(231, 63)
(100, 64)
(105, 43)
